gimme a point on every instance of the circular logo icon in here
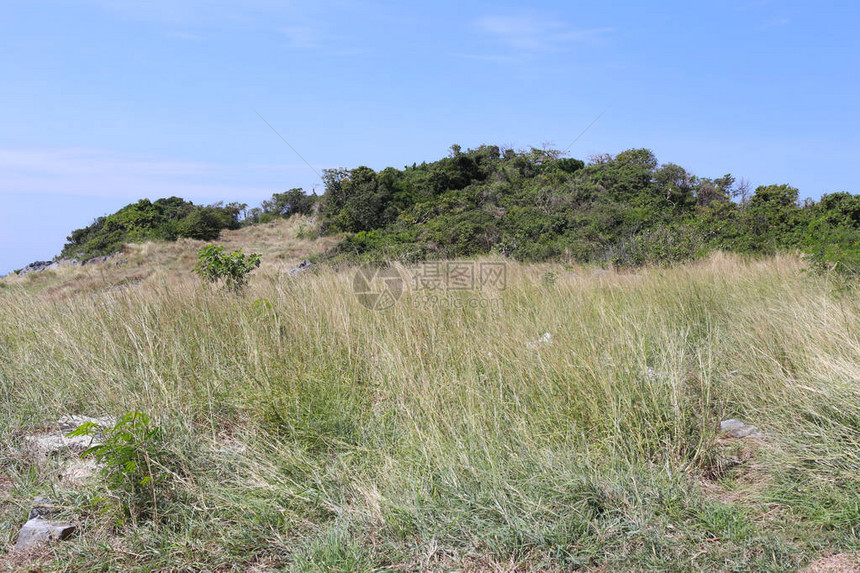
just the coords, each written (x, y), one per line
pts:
(377, 288)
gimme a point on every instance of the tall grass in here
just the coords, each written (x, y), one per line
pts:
(309, 433)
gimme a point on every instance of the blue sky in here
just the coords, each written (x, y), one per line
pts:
(104, 102)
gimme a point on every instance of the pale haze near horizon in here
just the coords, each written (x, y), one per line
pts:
(104, 103)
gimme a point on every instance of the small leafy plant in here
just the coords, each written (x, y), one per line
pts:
(132, 461)
(234, 269)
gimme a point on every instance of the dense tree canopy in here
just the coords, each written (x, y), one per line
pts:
(537, 205)
(164, 219)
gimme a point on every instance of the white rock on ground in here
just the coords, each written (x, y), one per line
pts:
(77, 471)
(737, 429)
(70, 423)
(57, 444)
(545, 339)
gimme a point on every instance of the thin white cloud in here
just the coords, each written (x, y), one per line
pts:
(302, 36)
(532, 33)
(306, 25)
(776, 23)
(184, 36)
(492, 58)
(102, 173)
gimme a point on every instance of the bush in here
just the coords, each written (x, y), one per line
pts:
(838, 260)
(205, 223)
(234, 269)
(132, 462)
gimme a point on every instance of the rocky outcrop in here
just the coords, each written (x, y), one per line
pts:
(103, 260)
(67, 450)
(39, 266)
(70, 423)
(301, 267)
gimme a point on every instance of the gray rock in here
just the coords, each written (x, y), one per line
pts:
(93, 261)
(737, 429)
(35, 267)
(42, 507)
(38, 531)
(301, 267)
(104, 259)
(39, 266)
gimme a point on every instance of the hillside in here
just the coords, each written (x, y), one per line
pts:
(561, 418)
(282, 242)
(532, 205)
(533, 381)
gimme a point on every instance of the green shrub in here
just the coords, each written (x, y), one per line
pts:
(205, 223)
(234, 269)
(133, 462)
(838, 260)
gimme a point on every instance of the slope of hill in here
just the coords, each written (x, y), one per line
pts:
(282, 242)
(475, 414)
(552, 419)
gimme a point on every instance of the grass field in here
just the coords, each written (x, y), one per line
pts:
(300, 431)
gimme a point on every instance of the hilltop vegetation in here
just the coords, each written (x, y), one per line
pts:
(164, 220)
(533, 205)
(536, 205)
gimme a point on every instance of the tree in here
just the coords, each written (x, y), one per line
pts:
(676, 185)
(714, 190)
(772, 218)
(288, 203)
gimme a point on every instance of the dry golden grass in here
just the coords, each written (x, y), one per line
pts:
(283, 243)
(304, 431)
